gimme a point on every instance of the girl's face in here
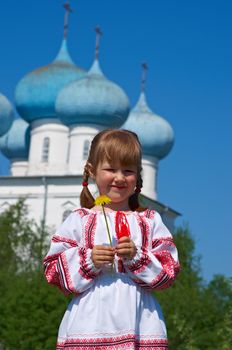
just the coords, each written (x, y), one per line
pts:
(117, 182)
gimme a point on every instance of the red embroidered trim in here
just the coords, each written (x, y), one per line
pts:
(113, 343)
(90, 229)
(81, 211)
(144, 261)
(150, 214)
(60, 239)
(170, 266)
(64, 274)
(85, 271)
(168, 241)
(50, 269)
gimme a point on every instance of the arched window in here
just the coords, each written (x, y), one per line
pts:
(86, 149)
(66, 214)
(45, 150)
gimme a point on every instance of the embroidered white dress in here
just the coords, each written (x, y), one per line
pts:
(112, 310)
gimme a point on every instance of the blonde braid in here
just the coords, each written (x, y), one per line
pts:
(86, 198)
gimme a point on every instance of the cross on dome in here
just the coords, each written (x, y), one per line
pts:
(144, 75)
(97, 46)
(68, 10)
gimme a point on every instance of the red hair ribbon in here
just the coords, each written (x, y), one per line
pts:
(122, 228)
(84, 183)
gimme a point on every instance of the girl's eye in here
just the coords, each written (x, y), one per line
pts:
(129, 172)
(109, 169)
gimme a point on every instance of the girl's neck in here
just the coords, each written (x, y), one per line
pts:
(112, 208)
(118, 207)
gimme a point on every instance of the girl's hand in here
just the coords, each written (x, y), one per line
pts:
(102, 255)
(126, 248)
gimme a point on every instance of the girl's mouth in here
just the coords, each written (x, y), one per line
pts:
(118, 187)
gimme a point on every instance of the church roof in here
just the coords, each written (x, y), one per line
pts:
(36, 93)
(15, 143)
(155, 133)
(93, 99)
(6, 114)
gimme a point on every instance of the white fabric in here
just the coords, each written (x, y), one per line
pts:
(112, 309)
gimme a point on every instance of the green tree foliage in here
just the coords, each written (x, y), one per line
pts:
(30, 309)
(198, 315)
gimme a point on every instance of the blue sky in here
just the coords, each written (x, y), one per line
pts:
(187, 45)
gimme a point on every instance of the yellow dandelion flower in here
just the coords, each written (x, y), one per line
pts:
(102, 200)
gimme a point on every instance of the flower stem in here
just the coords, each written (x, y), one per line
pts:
(107, 226)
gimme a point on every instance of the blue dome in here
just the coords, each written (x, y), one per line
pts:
(6, 114)
(155, 133)
(36, 93)
(15, 143)
(92, 100)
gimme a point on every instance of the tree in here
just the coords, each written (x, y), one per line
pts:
(30, 308)
(195, 312)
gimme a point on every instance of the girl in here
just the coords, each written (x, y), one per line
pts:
(112, 306)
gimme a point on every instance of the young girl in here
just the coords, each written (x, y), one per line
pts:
(113, 307)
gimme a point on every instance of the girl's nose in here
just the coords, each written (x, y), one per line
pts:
(119, 176)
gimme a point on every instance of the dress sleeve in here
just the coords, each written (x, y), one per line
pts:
(68, 264)
(155, 265)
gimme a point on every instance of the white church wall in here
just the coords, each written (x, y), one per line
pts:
(149, 175)
(79, 136)
(18, 167)
(48, 148)
(46, 197)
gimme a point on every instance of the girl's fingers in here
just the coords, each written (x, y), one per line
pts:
(125, 248)
(124, 239)
(102, 255)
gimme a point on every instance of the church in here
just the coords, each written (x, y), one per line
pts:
(61, 107)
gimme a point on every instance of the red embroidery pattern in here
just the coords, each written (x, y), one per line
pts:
(85, 271)
(144, 261)
(50, 269)
(114, 343)
(90, 229)
(161, 281)
(60, 239)
(150, 214)
(170, 266)
(64, 274)
(144, 231)
(166, 240)
(81, 211)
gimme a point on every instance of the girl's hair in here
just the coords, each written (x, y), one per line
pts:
(113, 145)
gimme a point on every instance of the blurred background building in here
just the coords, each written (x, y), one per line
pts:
(60, 108)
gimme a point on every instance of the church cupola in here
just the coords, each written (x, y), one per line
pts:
(155, 134)
(6, 114)
(35, 97)
(15, 146)
(36, 93)
(89, 105)
(93, 99)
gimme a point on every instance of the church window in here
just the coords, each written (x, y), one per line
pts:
(66, 214)
(86, 149)
(45, 150)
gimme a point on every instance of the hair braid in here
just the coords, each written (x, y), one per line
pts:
(134, 198)
(86, 198)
